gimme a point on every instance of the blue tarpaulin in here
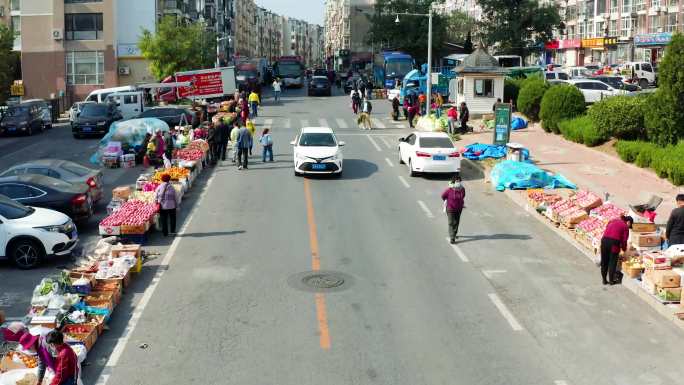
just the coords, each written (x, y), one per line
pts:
(518, 123)
(479, 151)
(514, 175)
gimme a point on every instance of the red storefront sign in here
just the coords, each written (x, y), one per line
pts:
(569, 43)
(553, 44)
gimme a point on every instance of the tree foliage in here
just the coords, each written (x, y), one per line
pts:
(560, 102)
(8, 62)
(517, 26)
(411, 33)
(178, 47)
(530, 97)
(664, 118)
(459, 29)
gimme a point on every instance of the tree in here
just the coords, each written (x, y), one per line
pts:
(518, 26)
(459, 28)
(8, 62)
(178, 47)
(411, 33)
(664, 118)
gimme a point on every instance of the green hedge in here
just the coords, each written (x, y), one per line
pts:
(667, 162)
(560, 102)
(620, 116)
(511, 90)
(581, 130)
(530, 97)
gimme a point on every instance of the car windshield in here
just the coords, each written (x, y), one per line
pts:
(93, 110)
(10, 209)
(317, 140)
(247, 73)
(436, 143)
(17, 111)
(398, 67)
(76, 169)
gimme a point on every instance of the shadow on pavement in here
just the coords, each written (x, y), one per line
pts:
(352, 169)
(493, 237)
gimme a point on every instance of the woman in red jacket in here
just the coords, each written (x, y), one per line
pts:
(66, 372)
(614, 238)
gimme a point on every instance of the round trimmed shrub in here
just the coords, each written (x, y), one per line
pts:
(530, 97)
(560, 102)
(619, 116)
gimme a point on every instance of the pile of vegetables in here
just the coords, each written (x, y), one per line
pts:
(431, 123)
(176, 173)
(28, 361)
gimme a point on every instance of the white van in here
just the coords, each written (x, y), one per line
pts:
(100, 96)
(129, 103)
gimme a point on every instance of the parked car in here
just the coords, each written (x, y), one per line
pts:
(594, 90)
(617, 82)
(75, 110)
(317, 151)
(28, 234)
(22, 119)
(95, 119)
(64, 170)
(556, 75)
(429, 152)
(45, 110)
(320, 85)
(71, 199)
(172, 115)
(643, 73)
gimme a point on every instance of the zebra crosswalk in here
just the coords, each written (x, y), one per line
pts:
(348, 123)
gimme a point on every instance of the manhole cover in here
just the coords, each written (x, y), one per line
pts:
(320, 281)
(323, 281)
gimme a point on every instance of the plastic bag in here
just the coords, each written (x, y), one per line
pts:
(167, 162)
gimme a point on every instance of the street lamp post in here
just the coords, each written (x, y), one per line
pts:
(429, 57)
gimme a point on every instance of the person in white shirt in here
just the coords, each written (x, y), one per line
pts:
(276, 89)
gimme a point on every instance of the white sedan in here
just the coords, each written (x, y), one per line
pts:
(429, 152)
(317, 151)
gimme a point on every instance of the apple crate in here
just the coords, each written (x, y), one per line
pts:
(107, 231)
(134, 229)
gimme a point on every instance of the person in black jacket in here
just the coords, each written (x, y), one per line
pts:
(464, 116)
(212, 141)
(675, 225)
(223, 136)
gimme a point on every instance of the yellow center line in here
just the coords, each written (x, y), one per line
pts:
(321, 313)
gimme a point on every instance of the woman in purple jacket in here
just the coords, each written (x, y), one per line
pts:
(36, 345)
(453, 198)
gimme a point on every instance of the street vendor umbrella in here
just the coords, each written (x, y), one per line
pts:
(130, 133)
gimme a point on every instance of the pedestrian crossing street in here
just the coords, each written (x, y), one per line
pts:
(349, 123)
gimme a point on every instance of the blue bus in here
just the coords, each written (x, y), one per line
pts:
(389, 66)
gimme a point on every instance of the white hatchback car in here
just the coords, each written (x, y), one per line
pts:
(429, 152)
(317, 151)
(28, 234)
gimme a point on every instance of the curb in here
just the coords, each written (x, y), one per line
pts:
(630, 284)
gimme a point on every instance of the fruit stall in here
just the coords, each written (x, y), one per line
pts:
(655, 268)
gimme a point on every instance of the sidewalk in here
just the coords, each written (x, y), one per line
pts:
(589, 168)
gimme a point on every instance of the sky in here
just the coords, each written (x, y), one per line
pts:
(311, 11)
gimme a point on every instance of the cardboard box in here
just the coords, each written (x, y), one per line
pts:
(643, 227)
(670, 294)
(656, 260)
(110, 230)
(648, 285)
(664, 278)
(121, 193)
(646, 239)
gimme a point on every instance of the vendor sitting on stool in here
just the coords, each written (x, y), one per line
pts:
(614, 239)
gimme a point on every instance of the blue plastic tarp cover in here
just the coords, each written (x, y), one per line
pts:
(479, 151)
(514, 175)
(518, 123)
(130, 133)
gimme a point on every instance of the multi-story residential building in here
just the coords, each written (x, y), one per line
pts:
(269, 35)
(346, 28)
(5, 13)
(132, 68)
(10, 15)
(614, 31)
(468, 7)
(245, 28)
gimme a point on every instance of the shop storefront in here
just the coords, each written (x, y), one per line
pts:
(551, 52)
(650, 47)
(568, 52)
(592, 51)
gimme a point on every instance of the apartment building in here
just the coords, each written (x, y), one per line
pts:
(614, 31)
(469, 7)
(269, 35)
(245, 40)
(346, 28)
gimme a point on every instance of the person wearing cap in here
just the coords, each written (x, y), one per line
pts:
(614, 238)
(674, 232)
(66, 364)
(35, 345)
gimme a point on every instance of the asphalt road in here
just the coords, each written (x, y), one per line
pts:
(512, 303)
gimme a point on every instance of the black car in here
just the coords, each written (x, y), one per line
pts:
(95, 119)
(71, 199)
(320, 85)
(172, 115)
(22, 119)
(617, 83)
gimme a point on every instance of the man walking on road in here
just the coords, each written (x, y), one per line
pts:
(223, 136)
(675, 225)
(614, 238)
(276, 90)
(244, 143)
(453, 198)
(254, 102)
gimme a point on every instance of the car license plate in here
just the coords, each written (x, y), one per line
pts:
(87, 129)
(318, 166)
(439, 157)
